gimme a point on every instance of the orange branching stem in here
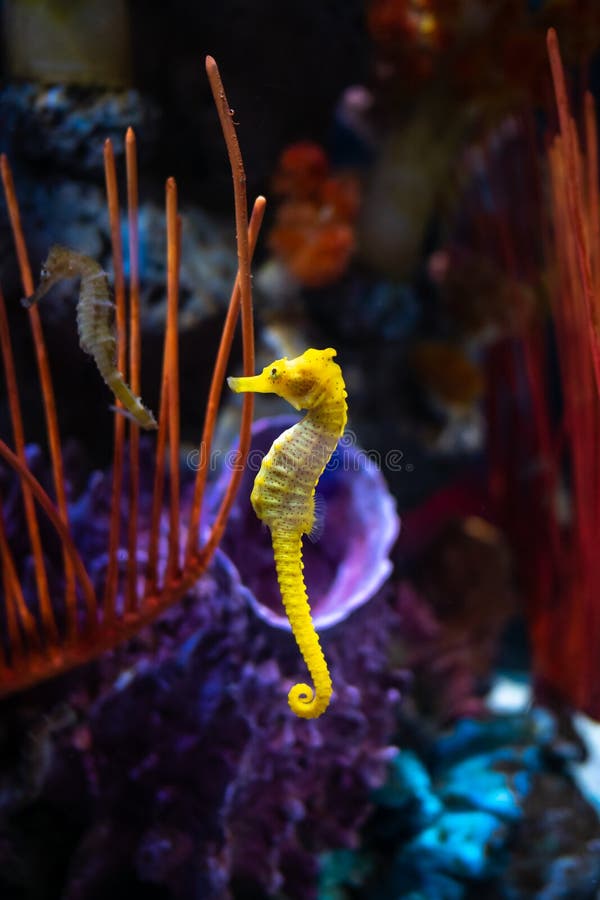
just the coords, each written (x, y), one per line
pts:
(135, 357)
(576, 227)
(241, 224)
(41, 642)
(576, 625)
(560, 554)
(112, 569)
(50, 411)
(535, 461)
(216, 386)
(164, 416)
(17, 613)
(151, 585)
(19, 438)
(172, 370)
(593, 211)
(12, 599)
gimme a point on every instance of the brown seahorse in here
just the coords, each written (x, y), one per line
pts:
(94, 321)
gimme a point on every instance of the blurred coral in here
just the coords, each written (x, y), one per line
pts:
(77, 43)
(406, 27)
(485, 809)
(479, 298)
(411, 176)
(446, 371)
(490, 54)
(301, 171)
(453, 616)
(543, 397)
(446, 72)
(393, 21)
(313, 232)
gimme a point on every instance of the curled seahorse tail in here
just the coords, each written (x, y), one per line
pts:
(305, 701)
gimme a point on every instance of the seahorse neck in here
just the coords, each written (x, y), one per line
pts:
(328, 415)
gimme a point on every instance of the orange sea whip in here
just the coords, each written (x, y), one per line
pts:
(567, 657)
(535, 458)
(37, 645)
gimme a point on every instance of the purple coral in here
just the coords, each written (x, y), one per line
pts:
(181, 768)
(349, 562)
(184, 769)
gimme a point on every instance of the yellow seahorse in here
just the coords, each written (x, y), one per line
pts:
(94, 322)
(284, 493)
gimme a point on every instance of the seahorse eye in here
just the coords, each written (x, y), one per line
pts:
(273, 372)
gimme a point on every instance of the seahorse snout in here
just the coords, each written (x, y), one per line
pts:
(256, 384)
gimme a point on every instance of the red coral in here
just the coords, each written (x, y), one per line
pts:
(313, 233)
(302, 168)
(544, 451)
(395, 24)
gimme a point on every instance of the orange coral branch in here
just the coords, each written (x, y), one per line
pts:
(573, 183)
(591, 144)
(10, 583)
(151, 585)
(19, 437)
(49, 407)
(135, 353)
(575, 624)
(241, 224)
(173, 248)
(164, 416)
(112, 570)
(216, 386)
(16, 608)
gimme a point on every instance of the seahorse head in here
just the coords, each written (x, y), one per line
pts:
(300, 381)
(60, 263)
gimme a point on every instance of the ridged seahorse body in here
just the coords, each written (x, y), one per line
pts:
(94, 321)
(284, 493)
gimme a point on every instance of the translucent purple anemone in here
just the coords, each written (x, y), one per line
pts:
(358, 526)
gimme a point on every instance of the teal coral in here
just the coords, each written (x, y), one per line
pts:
(454, 820)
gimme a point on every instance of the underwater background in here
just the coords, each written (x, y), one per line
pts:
(430, 169)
